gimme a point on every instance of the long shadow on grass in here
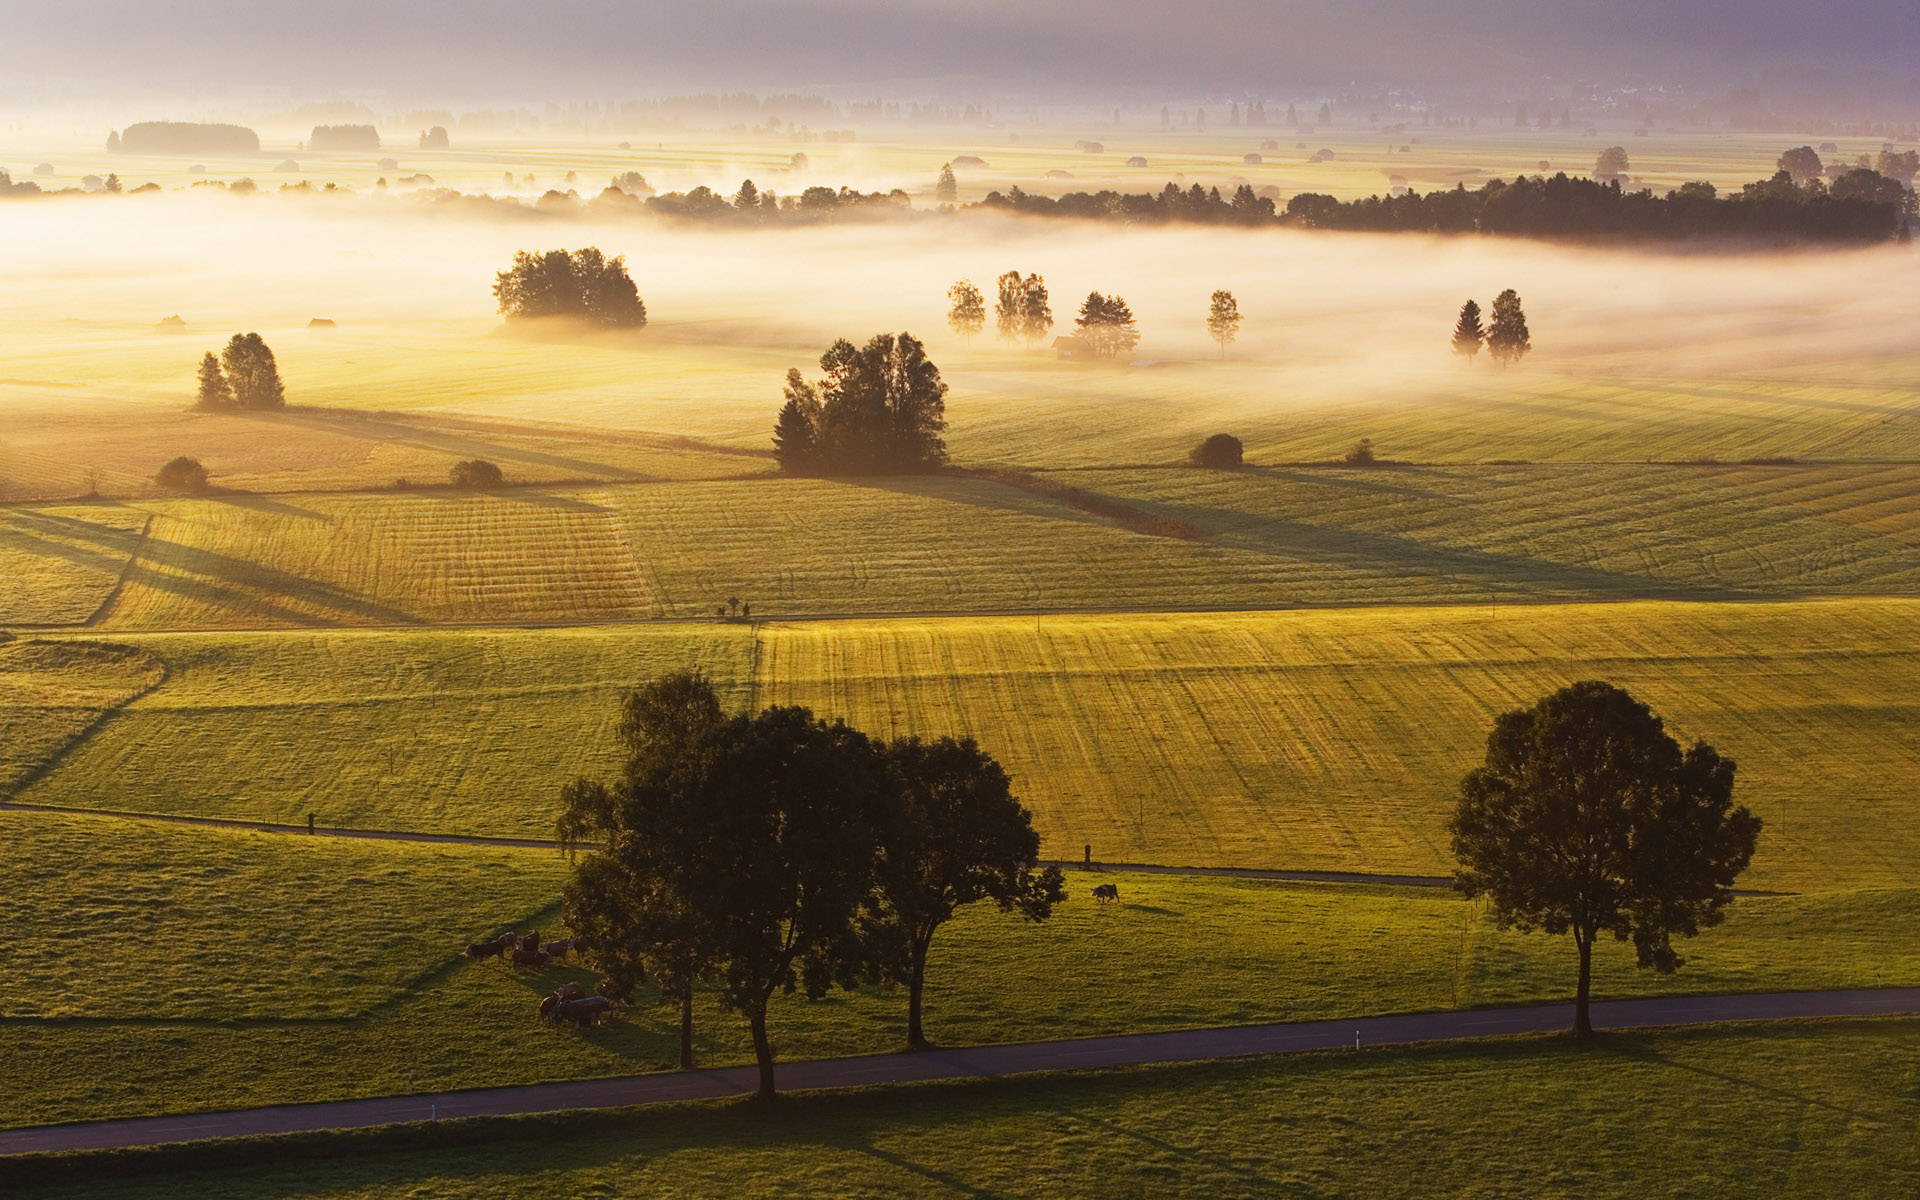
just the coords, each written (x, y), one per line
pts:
(194, 573)
(1638, 1050)
(41, 543)
(360, 425)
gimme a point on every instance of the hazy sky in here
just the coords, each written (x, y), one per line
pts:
(561, 48)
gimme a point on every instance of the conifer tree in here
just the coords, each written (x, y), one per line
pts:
(1468, 335)
(214, 390)
(968, 315)
(796, 436)
(1223, 319)
(1508, 339)
(1106, 322)
(947, 188)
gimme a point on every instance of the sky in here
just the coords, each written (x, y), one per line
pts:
(475, 49)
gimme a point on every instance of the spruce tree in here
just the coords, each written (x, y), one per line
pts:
(796, 436)
(215, 393)
(1508, 339)
(1223, 319)
(1468, 336)
(947, 188)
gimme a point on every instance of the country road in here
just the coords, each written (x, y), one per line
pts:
(979, 1061)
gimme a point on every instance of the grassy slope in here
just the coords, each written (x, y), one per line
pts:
(62, 562)
(51, 692)
(273, 969)
(1789, 1110)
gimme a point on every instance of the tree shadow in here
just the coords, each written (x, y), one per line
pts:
(372, 427)
(261, 503)
(197, 574)
(1638, 1050)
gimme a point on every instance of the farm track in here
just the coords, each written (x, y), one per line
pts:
(1078, 1054)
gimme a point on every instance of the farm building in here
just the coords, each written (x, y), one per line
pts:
(1072, 349)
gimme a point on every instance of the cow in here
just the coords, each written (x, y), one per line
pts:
(1106, 892)
(531, 941)
(531, 958)
(582, 1012)
(491, 949)
(558, 947)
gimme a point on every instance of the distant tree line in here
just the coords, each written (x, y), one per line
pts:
(343, 137)
(749, 205)
(584, 285)
(1196, 205)
(245, 376)
(777, 852)
(878, 410)
(183, 137)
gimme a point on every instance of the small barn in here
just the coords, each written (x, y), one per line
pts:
(1252, 160)
(1136, 161)
(969, 160)
(1072, 349)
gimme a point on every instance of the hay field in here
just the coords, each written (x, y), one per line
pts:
(278, 968)
(1741, 1112)
(53, 692)
(442, 731)
(1332, 740)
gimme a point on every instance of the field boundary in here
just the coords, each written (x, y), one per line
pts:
(112, 597)
(45, 766)
(883, 1070)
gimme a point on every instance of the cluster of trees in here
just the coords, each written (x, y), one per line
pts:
(878, 410)
(1022, 312)
(1107, 326)
(183, 474)
(343, 137)
(1196, 204)
(1222, 452)
(584, 285)
(1588, 818)
(1507, 340)
(780, 852)
(476, 473)
(1861, 205)
(750, 205)
(245, 376)
(183, 137)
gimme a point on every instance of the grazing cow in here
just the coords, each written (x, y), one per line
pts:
(492, 949)
(558, 947)
(1106, 892)
(583, 1012)
(570, 990)
(531, 958)
(531, 941)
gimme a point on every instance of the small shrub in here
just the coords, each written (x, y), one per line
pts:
(476, 473)
(183, 474)
(1222, 451)
(1362, 454)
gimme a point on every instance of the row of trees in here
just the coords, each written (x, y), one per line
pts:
(1507, 340)
(245, 376)
(879, 409)
(584, 285)
(779, 852)
(1105, 323)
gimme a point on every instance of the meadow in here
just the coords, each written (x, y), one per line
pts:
(274, 968)
(1795, 1109)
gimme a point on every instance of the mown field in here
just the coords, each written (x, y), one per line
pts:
(1787, 1110)
(52, 693)
(1320, 739)
(795, 547)
(223, 969)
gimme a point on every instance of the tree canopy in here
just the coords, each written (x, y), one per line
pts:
(1021, 311)
(1508, 339)
(968, 314)
(1107, 325)
(1222, 451)
(584, 285)
(250, 373)
(214, 391)
(1223, 319)
(1468, 336)
(1588, 818)
(879, 409)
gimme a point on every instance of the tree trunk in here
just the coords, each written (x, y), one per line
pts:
(686, 1027)
(1582, 1019)
(762, 1052)
(916, 1036)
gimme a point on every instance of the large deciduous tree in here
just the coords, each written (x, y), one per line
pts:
(879, 409)
(1223, 319)
(1468, 336)
(1508, 339)
(1588, 818)
(251, 373)
(584, 286)
(958, 836)
(1612, 164)
(968, 314)
(1803, 164)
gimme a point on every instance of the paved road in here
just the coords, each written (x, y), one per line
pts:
(1078, 1054)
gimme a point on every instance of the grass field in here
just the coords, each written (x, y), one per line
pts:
(52, 693)
(1314, 739)
(1788, 1110)
(223, 969)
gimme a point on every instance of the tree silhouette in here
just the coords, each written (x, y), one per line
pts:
(584, 285)
(1612, 164)
(1107, 325)
(795, 442)
(946, 188)
(476, 473)
(1508, 339)
(1803, 163)
(1222, 451)
(879, 409)
(1588, 818)
(968, 315)
(1223, 320)
(214, 392)
(183, 474)
(252, 373)
(1009, 309)
(1036, 318)
(1468, 336)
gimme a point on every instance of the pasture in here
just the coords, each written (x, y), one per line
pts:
(273, 968)
(1786, 1109)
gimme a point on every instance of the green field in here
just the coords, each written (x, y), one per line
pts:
(1311, 739)
(273, 968)
(1787, 1110)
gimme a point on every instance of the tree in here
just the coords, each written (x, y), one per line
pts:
(1009, 310)
(1223, 320)
(183, 474)
(476, 473)
(968, 315)
(1036, 318)
(879, 409)
(1106, 323)
(1468, 336)
(1612, 164)
(946, 188)
(252, 373)
(747, 199)
(1508, 339)
(215, 393)
(1803, 163)
(622, 899)
(958, 836)
(1222, 451)
(584, 285)
(1588, 818)
(1361, 455)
